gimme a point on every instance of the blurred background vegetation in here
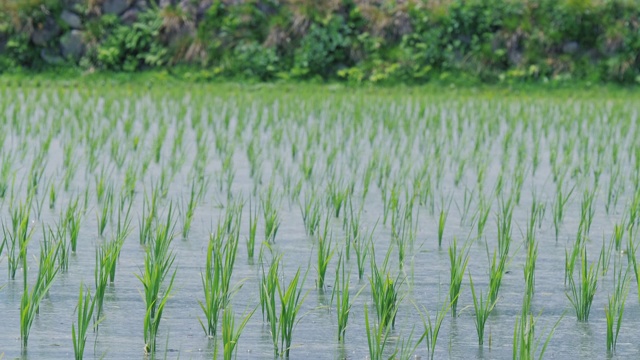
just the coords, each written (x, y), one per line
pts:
(357, 41)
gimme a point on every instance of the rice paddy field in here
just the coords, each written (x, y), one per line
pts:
(201, 222)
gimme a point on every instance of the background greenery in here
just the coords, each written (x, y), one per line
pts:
(378, 41)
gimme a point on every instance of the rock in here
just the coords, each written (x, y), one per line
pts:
(130, 16)
(116, 7)
(50, 56)
(72, 45)
(71, 19)
(570, 47)
(45, 32)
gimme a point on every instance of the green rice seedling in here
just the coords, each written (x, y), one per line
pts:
(84, 309)
(403, 231)
(581, 294)
(271, 218)
(612, 189)
(290, 304)
(483, 308)
(571, 258)
(530, 269)
(458, 266)
(432, 328)
(342, 296)
(338, 195)
(73, 219)
(30, 301)
(605, 256)
(18, 236)
(442, 220)
(482, 215)
(105, 212)
(497, 269)
(216, 279)
(558, 207)
(615, 305)
(52, 196)
(535, 218)
(324, 252)
(616, 238)
(525, 343)
(253, 226)
(361, 246)
(311, 214)
(587, 211)
(407, 348)
(384, 291)
(5, 172)
(231, 334)
(389, 201)
(190, 210)
(157, 266)
(633, 261)
(504, 216)
(149, 211)
(377, 337)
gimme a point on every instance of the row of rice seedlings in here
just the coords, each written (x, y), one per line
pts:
(458, 265)
(482, 307)
(385, 290)
(158, 264)
(84, 309)
(615, 305)
(581, 293)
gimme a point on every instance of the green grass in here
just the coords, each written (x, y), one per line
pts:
(582, 291)
(385, 291)
(84, 310)
(458, 265)
(483, 308)
(614, 310)
(231, 333)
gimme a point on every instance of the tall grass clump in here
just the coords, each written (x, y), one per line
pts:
(458, 265)
(158, 264)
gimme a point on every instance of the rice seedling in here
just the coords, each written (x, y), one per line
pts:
(338, 195)
(384, 291)
(407, 348)
(442, 220)
(504, 216)
(587, 212)
(52, 196)
(311, 214)
(324, 252)
(525, 343)
(497, 269)
(559, 206)
(73, 219)
(458, 266)
(105, 213)
(615, 305)
(483, 308)
(30, 301)
(231, 334)
(84, 309)
(158, 264)
(361, 246)
(581, 293)
(432, 327)
(253, 226)
(377, 336)
(482, 215)
(18, 236)
(271, 218)
(190, 209)
(342, 296)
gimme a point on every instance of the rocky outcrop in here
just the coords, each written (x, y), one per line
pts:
(71, 19)
(72, 45)
(116, 7)
(45, 32)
